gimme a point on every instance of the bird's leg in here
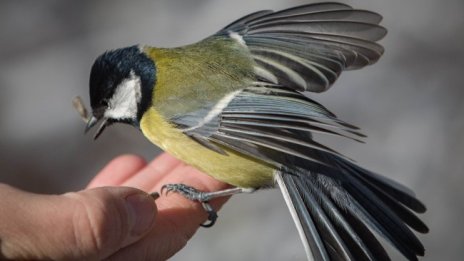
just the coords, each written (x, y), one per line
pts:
(204, 197)
(196, 195)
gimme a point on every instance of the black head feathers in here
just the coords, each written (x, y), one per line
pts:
(113, 67)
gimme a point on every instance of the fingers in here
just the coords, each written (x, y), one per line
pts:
(156, 170)
(105, 222)
(118, 171)
(178, 218)
(87, 225)
(166, 169)
(174, 208)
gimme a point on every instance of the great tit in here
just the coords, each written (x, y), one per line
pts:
(236, 106)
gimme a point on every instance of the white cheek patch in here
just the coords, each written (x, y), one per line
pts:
(123, 104)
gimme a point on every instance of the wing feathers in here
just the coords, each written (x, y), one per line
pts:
(310, 8)
(278, 136)
(338, 203)
(360, 30)
(302, 72)
(306, 48)
(244, 20)
(385, 223)
(284, 124)
(293, 119)
(270, 144)
(394, 189)
(361, 16)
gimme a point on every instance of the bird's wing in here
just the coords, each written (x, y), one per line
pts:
(338, 203)
(307, 47)
(266, 112)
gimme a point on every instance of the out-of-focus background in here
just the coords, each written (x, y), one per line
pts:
(410, 104)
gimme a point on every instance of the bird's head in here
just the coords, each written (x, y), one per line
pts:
(121, 85)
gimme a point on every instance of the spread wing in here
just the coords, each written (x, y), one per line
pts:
(307, 47)
(336, 204)
(339, 203)
(269, 117)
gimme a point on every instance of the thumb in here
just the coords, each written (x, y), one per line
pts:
(90, 224)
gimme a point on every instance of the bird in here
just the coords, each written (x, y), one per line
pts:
(238, 105)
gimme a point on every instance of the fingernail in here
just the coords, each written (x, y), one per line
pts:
(141, 213)
(155, 195)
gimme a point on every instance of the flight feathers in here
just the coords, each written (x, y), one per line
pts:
(306, 48)
(338, 212)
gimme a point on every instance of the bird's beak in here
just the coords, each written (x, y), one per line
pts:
(92, 122)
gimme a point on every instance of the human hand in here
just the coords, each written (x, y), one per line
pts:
(96, 223)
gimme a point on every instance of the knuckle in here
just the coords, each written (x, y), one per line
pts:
(98, 224)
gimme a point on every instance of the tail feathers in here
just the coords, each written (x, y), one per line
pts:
(330, 232)
(306, 47)
(388, 186)
(344, 213)
(312, 241)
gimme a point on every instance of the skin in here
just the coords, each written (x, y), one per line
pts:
(93, 224)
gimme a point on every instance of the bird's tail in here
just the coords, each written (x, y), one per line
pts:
(335, 218)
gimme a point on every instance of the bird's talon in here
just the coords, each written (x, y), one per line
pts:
(194, 195)
(207, 224)
(165, 189)
(212, 215)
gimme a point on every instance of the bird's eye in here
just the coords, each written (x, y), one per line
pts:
(104, 103)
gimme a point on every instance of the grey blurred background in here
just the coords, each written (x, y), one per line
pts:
(409, 104)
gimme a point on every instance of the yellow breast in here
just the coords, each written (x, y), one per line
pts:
(235, 168)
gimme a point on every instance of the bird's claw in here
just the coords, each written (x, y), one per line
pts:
(212, 215)
(186, 191)
(194, 195)
(165, 190)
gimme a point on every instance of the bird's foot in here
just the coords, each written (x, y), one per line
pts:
(204, 197)
(194, 194)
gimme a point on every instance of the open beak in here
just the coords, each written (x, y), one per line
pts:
(92, 122)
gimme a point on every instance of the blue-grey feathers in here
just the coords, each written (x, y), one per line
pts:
(306, 48)
(345, 209)
(336, 204)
